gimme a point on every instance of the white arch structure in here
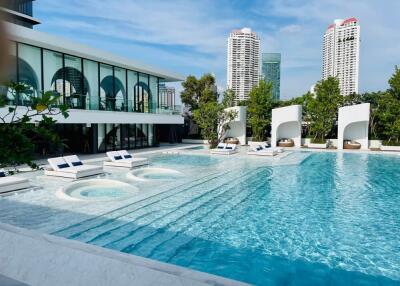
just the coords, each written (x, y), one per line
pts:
(238, 125)
(353, 124)
(286, 123)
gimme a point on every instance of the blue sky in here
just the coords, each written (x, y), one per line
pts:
(189, 37)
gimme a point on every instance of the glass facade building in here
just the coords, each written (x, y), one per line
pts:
(271, 72)
(83, 83)
(112, 105)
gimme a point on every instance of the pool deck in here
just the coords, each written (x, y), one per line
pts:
(39, 259)
(6, 281)
(35, 258)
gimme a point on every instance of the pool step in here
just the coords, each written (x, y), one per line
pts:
(74, 230)
(181, 213)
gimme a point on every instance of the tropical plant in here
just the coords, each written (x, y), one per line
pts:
(394, 83)
(196, 91)
(389, 111)
(24, 127)
(259, 109)
(214, 118)
(322, 108)
(389, 117)
(229, 98)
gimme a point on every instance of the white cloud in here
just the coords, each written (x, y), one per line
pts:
(290, 29)
(198, 30)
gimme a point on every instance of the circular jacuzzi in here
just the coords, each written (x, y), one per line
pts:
(154, 174)
(97, 190)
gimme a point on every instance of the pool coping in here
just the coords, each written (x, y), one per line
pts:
(35, 258)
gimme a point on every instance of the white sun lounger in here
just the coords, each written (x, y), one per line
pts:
(259, 150)
(71, 167)
(224, 149)
(124, 159)
(9, 184)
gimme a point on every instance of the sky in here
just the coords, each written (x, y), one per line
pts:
(190, 37)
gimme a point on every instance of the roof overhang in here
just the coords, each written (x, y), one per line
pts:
(11, 13)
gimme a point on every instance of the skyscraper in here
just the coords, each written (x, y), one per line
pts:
(243, 62)
(341, 54)
(271, 72)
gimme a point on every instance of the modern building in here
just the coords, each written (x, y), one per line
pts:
(114, 103)
(243, 70)
(271, 72)
(341, 54)
(18, 12)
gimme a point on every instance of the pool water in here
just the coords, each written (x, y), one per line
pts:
(99, 192)
(306, 219)
(151, 174)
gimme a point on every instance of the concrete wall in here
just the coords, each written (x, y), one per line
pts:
(238, 125)
(82, 116)
(334, 142)
(353, 124)
(286, 123)
(45, 260)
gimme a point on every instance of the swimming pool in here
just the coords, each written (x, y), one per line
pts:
(308, 218)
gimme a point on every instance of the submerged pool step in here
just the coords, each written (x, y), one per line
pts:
(141, 216)
(188, 213)
(165, 244)
(87, 229)
(193, 199)
(147, 215)
(73, 230)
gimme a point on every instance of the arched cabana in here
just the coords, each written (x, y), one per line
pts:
(353, 124)
(286, 124)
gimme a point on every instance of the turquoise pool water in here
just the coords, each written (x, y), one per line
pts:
(306, 219)
(100, 192)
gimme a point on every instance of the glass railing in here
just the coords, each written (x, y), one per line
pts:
(105, 104)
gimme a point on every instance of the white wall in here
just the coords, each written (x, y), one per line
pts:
(79, 116)
(46, 260)
(286, 123)
(238, 125)
(353, 124)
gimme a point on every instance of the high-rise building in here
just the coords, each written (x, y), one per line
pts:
(166, 96)
(341, 54)
(271, 72)
(19, 12)
(243, 62)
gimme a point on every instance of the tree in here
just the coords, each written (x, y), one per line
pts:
(196, 91)
(229, 98)
(259, 109)
(214, 118)
(394, 83)
(389, 117)
(388, 111)
(322, 108)
(23, 127)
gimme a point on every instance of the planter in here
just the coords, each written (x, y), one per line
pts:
(318, 145)
(390, 148)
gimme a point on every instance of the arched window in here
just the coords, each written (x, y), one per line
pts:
(74, 87)
(110, 100)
